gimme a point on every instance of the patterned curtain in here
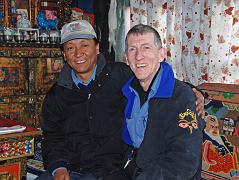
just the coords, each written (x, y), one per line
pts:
(201, 36)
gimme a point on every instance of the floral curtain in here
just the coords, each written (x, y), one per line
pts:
(201, 36)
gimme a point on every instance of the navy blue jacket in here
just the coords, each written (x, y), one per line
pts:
(82, 127)
(172, 143)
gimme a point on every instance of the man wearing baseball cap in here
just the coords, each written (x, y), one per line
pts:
(83, 112)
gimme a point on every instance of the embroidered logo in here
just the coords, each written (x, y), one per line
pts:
(188, 119)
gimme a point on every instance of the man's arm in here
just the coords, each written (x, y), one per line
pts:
(199, 99)
(54, 150)
(199, 94)
(199, 102)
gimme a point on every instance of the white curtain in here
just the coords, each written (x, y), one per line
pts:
(202, 36)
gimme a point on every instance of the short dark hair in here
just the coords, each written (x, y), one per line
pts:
(142, 29)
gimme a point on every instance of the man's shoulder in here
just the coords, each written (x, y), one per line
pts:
(182, 85)
(183, 89)
(117, 65)
(57, 90)
(119, 69)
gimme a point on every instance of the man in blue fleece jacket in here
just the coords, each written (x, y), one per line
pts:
(161, 123)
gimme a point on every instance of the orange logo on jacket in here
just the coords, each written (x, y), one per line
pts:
(188, 119)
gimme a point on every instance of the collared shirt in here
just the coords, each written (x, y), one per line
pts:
(136, 124)
(76, 80)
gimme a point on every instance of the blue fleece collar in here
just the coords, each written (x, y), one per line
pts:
(165, 90)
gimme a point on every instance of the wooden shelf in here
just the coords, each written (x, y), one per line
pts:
(40, 51)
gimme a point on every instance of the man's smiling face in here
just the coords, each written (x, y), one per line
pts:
(143, 56)
(81, 55)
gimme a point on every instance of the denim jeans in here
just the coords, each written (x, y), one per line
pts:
(74, 176)
(80, 176)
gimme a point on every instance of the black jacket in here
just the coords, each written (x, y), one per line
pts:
(172, 144)
(82, 128)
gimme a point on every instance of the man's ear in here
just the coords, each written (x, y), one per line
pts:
(98, 48)
(64, 56)
(126, 59)
(162, 54)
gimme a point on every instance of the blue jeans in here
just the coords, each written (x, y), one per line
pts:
(80, 176)
(74, 176)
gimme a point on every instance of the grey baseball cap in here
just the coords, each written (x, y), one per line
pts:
(80, 29)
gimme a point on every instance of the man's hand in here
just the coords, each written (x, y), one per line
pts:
(62, 174)
(199, 103)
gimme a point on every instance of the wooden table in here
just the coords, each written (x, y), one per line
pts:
(14, 150)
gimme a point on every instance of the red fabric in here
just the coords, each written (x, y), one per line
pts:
(13, 170)
(9, 122)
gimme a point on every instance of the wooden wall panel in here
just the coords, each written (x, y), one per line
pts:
(19, 108)
(43, 73)
(13, 80)
(23, 85)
